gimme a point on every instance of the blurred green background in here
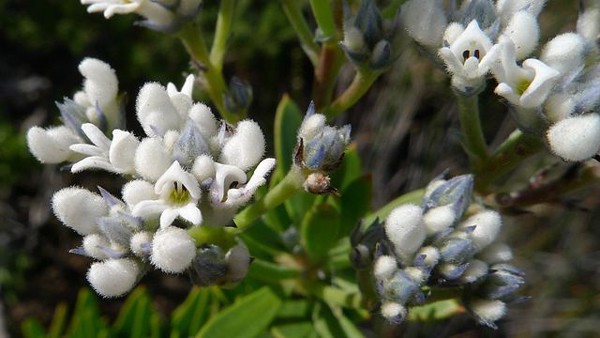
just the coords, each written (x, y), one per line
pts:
(406, 129)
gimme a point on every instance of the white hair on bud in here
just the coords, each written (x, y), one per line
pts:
(78, 209)
(203, 168)
(152, 159)
(439, 218)
(154, 110)
(93, 244)
(588, 23)
(384, 267)
(312, 125)
(524, 31)
(113, 277)
(475, 271)
(204, 119)
(453, 31)
(393, 312)
(487, 311)
(425, 21)
(136, 191)
(238, 262)
(172, 250)
(487, 226)
(101, 84)
(138, 243)
(51, 145)
(496, 253)
(564, 52)
(559, 107)
(507, 8)
(405, 229)
(182, 104)
(122, 151)
(246, 147)
(575, 139)
(432, 255)
(415, 274)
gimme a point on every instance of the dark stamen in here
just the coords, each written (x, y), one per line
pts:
(466, 54)
(476, 53)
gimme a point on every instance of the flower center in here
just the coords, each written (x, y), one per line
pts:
(466, 54)
(179, 195)
(522, 86)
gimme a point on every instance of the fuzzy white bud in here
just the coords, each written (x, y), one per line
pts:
(101, 84)
(487, 226)
(138, 190)
(204, 119)
(152, 159)
(154, 109)
(384, 267)
(439, 218)
(524, 32)
(93, 244)
(488, 311)
(140, 243)
(113, 277)
(432, 255)
(475, 271)
(394, 312)
(311, 126)
(172, 250)
(559, 107)
(496, 253)
(405, 229)
(51, 145)
(246, 147)
(78, 209)
(203, 168)
(122, 151)
(575, 139)
(564, 52)
(425, 21)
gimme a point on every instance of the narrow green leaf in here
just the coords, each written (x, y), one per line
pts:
(263, 238)
(59, 321)
(355, 202)
(436, 311)
(134, 318)
(349, 170)
(86, 320)
(294, 330)
(270, 272)
(294, 309)
(31, 328)
(188, 317)
(288, 119)
(325, 323)
(247, 317)
(319, 230)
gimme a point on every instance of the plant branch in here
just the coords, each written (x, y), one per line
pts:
(294, 14)
(473, 140)
(222, 31)
(363, 80)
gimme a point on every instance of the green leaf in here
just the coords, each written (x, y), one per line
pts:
(263, 238)
(294, 309)
(86, 321)
(319, 230)
(349, 170)
(325, 323)
(288, 119)
(135, 317)
(31, 328)
(188, 317)
(355, 202)
(247, 317)
(59, 321)
(268, 272)
(294, 330)
(440, 310)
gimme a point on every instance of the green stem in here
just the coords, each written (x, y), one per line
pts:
(363, 80)
(222, 32)
(290, 185)
(194, 43)
(294, 14)
(473, 140)
(330, 62)
(509, 155)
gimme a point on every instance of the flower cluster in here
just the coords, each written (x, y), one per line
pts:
(160, 15)
(320, 149)
(556, 95)
(446, 241)
(190, 170)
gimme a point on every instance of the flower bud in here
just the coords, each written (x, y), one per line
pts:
(190, 144)
(52, 145)
(384, 267)
(575, 139)
(496, 253)
(113, 277)
(209, 267)
(487, 311)
(394, 312)
(246, 147)
(565, 52)
(524, 31)
(487, 225)
(425, 21)
(455, 193)
(136, 191)
(93, 245)
(172, 250)
(477, 269)
(152, 159)
(405, 229)
(238, 263)
(239, 97)
(155, 111)
(79, 209)
(439, 218)
(141, 244)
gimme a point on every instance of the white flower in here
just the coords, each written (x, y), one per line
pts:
(155, 110)
(576, 138)
(113, 277)
(186, 89)
(116, 156)
(172, 250)
(527, 86)
(157, 15)
(178, 193)
(100, 90)
(468, 57)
